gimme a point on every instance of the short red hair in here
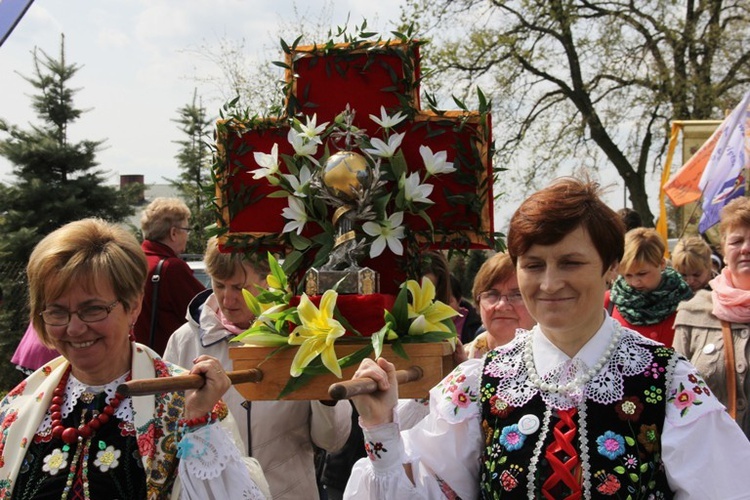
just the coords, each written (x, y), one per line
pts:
(552, 213)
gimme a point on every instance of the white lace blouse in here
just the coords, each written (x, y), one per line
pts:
(705, 454)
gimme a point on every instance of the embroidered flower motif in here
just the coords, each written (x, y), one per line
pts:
(496, 451)
(55, 461)
(460, 399)
(499, 407)
(631, 462)
(692, 378)
(107, 459)
(147, 440)
(508, 477)
(653, 371)
(374, 449)
(17, 390)
(629, 409)
(610, 445)
(684, 399)
(5, 488)
(653, 394)
(487, 431)
(512, 438)
(609, 484)
(649, 438)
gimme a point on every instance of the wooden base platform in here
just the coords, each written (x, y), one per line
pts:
(435, 360)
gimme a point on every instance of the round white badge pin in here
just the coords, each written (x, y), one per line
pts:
(528, 424)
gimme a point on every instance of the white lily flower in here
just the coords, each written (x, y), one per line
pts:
(414, 192)
(310, 131)
(295, 212)
(302, 146)
(388, 232)
(386, 121)
(298, 184)
(435, 163)
(380, 148)
(269, 163)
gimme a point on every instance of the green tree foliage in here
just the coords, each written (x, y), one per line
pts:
(56, 179)
(56, 182)
(194, 159)
(589, 83)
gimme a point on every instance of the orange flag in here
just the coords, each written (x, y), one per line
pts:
(683, 187)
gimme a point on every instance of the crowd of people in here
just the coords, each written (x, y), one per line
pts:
(588, 365)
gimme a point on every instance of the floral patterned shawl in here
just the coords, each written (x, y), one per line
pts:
(155, 419)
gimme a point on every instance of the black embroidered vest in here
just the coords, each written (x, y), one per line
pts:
(618, 444)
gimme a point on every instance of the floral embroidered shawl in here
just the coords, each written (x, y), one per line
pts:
(155, 419)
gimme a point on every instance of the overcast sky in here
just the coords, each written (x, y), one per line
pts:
(139, 64)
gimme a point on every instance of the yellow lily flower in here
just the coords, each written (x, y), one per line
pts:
(428, 314)
(316, 334)
(273, 282)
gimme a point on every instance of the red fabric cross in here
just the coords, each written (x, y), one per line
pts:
(563, 460)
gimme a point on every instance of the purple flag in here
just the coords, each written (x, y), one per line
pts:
(724, 176)
(11, 11)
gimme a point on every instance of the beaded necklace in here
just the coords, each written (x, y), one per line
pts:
(574, 385)
(83, 434)
(70, 435)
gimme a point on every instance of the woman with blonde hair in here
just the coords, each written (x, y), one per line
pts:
(691, 258)
(644, 297)
(68, 432)
(713, 329)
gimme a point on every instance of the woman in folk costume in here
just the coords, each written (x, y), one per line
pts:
(577, 407)
(67, 433)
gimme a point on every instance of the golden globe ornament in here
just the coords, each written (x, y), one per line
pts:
(345, 171)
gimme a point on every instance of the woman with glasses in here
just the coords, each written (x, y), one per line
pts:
(166, 227)
(577, 407)
(500, 305)
(68, 433)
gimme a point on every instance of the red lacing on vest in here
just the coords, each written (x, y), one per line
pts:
(563, 460)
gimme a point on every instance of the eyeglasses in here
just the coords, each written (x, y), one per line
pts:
(186, 229)
(89, 314)
(492, 297)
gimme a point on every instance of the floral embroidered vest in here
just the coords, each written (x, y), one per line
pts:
(618, 444)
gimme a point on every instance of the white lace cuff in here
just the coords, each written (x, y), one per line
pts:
(211, 467)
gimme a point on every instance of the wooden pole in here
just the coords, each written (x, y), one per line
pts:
(355, 387)
(182, 382)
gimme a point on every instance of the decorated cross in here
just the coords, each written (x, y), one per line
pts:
(369, 78)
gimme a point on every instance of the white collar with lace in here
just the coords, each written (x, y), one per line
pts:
(555, 367)
(75, 389)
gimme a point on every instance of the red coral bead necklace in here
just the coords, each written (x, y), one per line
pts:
(70, 435)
